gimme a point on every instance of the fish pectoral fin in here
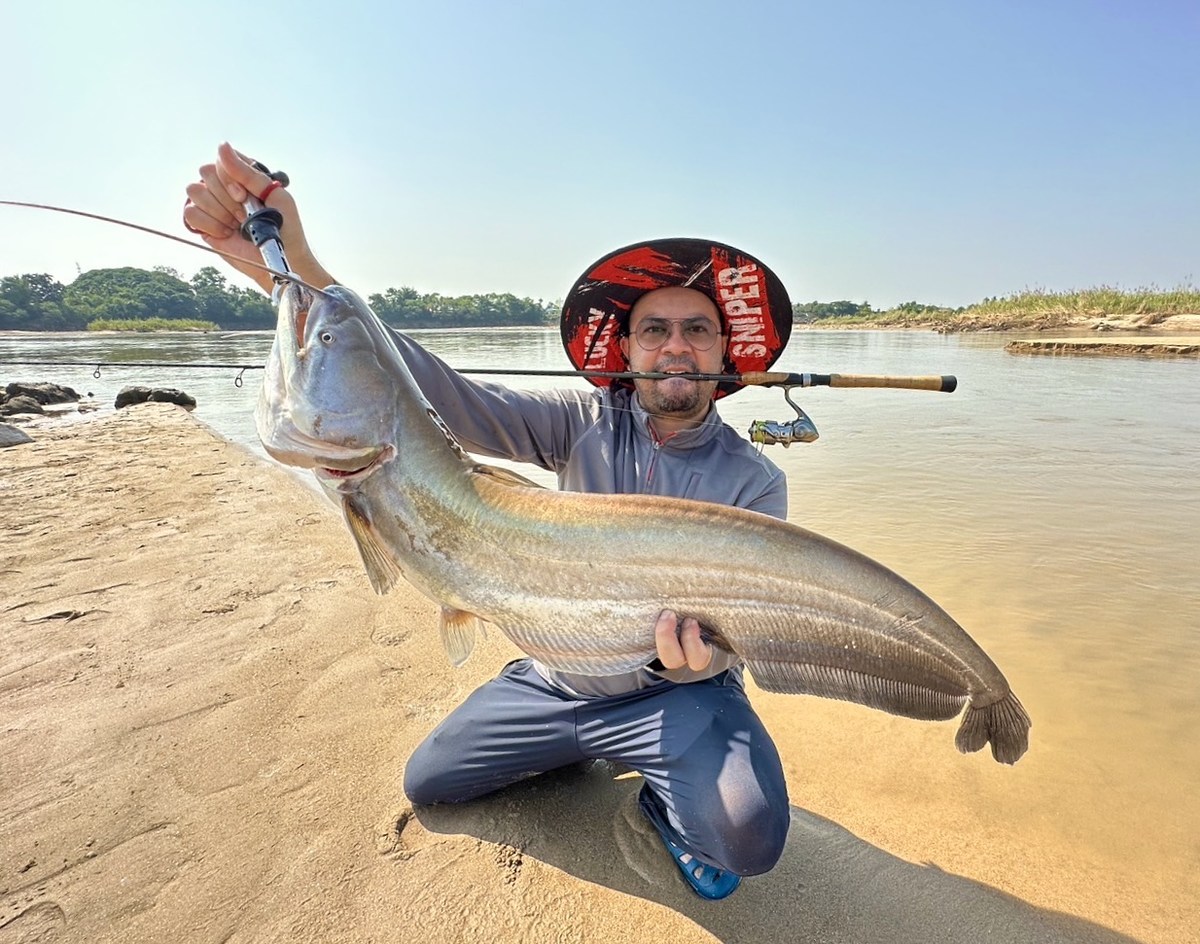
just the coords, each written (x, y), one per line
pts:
(382, 568)
(504, 476)
(458, 628)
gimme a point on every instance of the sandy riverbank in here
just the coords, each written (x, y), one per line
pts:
(1151, 327)
(205, 715)
(1109, 346)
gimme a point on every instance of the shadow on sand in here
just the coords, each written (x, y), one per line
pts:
(829, 887)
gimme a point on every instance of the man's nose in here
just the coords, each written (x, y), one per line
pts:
(676, 340)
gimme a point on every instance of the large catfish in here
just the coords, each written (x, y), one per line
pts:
(578, 580)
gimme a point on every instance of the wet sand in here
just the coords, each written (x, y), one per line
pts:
(206, 712)
(1109, 346)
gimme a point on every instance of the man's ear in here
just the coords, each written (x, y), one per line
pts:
(623, 341)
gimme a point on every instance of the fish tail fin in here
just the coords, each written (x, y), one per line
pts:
(1005, 723)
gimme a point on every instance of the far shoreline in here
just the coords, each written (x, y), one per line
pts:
(1159, 336)
(1144, 324)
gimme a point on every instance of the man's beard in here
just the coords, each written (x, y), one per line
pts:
(675, 397)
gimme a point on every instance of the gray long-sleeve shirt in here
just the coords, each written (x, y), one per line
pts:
(602, 441)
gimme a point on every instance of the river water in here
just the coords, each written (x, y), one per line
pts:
(1051, 504)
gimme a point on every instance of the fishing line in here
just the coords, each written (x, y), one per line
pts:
(274, 273)
(267, 238)
(237, 381)
(943, 383)
(262, 227)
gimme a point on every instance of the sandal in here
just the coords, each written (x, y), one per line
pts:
(705, 880)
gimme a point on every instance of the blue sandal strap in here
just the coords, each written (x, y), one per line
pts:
(705, 880)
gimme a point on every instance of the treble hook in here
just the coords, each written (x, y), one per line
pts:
(770, 432)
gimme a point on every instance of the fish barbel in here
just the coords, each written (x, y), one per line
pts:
(577, 580)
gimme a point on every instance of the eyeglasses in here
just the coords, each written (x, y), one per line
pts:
(652, 333)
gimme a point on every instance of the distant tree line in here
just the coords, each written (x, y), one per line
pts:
(407, 308)
(41, 303)
(813, 311)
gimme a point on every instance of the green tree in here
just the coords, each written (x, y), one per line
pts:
(213, 301)
(209, 277)
(130, 293)
(35, 303)
(812, 311)
(252, 311)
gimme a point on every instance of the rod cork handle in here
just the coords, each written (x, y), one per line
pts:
(944, 383)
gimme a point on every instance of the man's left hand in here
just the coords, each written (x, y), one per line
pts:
(679, 644)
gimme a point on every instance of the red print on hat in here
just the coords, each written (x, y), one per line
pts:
(753, 303)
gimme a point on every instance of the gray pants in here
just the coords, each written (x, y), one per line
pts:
(707, 760)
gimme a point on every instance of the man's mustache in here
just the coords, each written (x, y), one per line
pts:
(682, 363)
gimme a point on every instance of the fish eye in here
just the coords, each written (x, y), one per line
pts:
(326, 337)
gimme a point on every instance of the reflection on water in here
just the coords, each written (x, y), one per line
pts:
(1050, 504)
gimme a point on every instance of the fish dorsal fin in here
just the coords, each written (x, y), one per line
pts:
(457, 628)
(382, 568)
(504, 476)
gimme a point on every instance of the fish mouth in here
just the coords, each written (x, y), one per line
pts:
(352, 468)
(300, 300)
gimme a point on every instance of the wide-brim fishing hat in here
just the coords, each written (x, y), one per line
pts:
(755, 309)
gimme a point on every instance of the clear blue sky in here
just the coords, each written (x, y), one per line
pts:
(883, 151)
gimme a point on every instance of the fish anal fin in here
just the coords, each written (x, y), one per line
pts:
(457, 629)
(504, 476)
(382, 569)
(899, 698)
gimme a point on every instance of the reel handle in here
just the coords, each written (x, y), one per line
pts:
(262, 226)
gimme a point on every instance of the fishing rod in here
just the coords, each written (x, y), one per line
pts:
(761, 432)
(262, 227)
(943, 383)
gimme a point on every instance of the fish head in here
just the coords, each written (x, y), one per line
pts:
(329, 400)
